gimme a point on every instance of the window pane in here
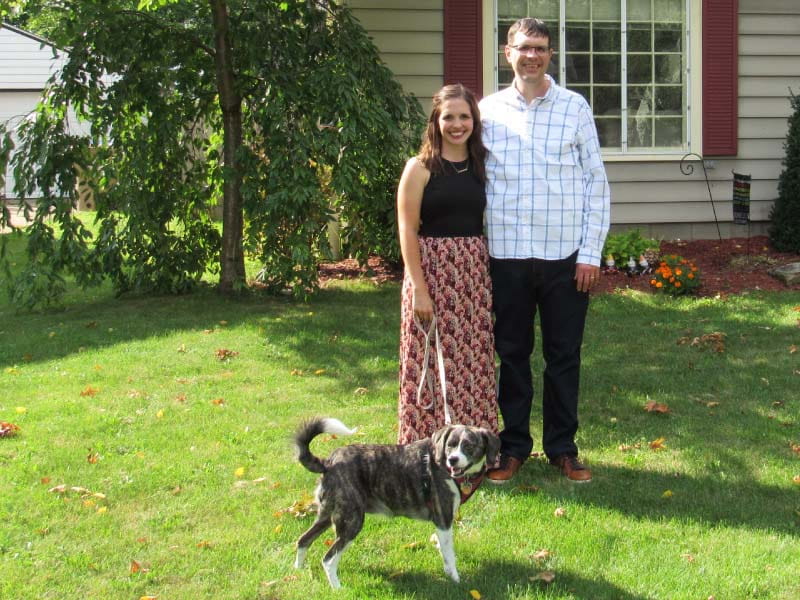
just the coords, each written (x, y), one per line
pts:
(668, 37)
(552, 70)
(502, 35)
(578, 68)
(606, 68)
(512, 7)
(543, 9)
(606, 37)
(577, 36)
(584, 91)
(579, 9)
(610, 132)
(640, 100)
(640, 132)
(669, 10)
(669, 132)
(640, 69)
(669, 100)
(640, 37)
(639, 10)
(504, 75)
(606, 10)
(668, 68)
(607, 100)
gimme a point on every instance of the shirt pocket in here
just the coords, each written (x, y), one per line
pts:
(560, 147)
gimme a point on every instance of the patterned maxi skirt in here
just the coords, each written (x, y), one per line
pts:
(456, 271)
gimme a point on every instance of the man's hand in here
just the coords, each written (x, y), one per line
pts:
(586, 276)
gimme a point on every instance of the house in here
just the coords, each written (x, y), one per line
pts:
(710, 79)
(26, 63)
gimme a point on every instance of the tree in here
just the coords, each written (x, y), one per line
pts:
(283, 110)
(784, 231)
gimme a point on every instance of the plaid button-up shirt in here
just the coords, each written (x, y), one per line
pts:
(547, 192)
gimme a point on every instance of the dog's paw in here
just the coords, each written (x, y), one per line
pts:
(453, 575)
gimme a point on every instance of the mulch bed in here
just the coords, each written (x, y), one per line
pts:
(728, 266)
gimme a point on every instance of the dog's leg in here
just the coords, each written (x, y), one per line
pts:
(448, 552)
(321, 524)
(347, 528)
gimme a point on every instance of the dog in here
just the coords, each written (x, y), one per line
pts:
(421, 480)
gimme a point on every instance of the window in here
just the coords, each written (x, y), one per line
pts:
(629, 58)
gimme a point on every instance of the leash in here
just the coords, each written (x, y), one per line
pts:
(425, 377)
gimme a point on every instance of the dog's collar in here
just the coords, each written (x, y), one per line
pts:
(467, 484)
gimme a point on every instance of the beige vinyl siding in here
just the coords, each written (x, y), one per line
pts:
(410, 37)
(659, 199)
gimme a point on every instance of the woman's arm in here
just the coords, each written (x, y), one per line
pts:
(409, 202)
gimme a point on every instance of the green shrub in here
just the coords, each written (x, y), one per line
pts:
(630, 244)
(784, 232)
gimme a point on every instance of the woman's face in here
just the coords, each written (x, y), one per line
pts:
(455, 122)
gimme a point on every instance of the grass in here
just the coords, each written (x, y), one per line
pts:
(187, 471)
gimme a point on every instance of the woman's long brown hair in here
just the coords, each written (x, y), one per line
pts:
(430, 152)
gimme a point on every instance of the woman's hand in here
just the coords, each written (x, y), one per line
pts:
(423, 305)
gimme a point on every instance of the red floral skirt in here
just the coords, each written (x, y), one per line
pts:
(456, 271)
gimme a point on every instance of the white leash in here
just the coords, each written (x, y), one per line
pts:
(432, 329)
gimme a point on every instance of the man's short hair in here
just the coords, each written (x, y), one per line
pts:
(530, 27)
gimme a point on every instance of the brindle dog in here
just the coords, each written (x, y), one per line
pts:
(416, 480)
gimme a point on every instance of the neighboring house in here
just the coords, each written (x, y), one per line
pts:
(26, 63)
(665, 78)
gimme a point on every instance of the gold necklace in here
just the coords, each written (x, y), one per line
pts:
(457, 170)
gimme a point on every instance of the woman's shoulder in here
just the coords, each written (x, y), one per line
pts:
(417, 170)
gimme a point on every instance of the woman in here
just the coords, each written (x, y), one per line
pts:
(446, 294)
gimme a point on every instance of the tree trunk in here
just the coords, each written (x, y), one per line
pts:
(232, 275)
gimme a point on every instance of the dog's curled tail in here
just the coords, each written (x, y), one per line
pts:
(307, 432)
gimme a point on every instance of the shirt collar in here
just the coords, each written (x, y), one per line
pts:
(549, 95)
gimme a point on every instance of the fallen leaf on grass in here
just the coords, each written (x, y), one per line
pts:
(319, 371)
(413, 546)
(89, 391)
(218, 402)
(93, 457)
(560, 512)
(8, 429)
(714, 340)
(296, 372)
(530, 489)
(796, 479)
(628, 447)
(225, 354)
(667, 494)
(300, 508)
(328, 542)
(793, 349)
(204, 544)
(148, 598)
(360, 391)
(656, 407)
(542, 554)
(795, 447)
(688, 557)
(137, 567)
(475, 594)
(239, 472)
(712, 404)
(658, 444)
(544, 576)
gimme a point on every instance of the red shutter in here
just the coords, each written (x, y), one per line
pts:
(720, 77)
(463, 46)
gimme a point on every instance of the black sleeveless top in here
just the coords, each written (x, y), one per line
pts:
(453, 203)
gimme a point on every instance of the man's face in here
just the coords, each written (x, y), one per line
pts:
(529, 57)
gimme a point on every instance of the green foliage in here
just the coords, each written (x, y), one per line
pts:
(676, 276)
(784, 231)
(152, 154)
(622, 246)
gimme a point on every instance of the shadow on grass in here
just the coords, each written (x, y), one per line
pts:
(706, 500)
(503, 579)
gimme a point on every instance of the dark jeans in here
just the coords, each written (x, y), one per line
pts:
(520, 288)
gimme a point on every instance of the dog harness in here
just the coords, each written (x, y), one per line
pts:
(467, 484)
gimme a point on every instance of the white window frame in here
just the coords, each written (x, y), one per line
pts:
(693, 74)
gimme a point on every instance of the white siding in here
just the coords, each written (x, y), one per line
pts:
(25, 64)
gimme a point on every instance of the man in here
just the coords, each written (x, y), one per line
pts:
(547, 217)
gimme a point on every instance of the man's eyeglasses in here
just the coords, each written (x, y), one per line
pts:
(529, 50)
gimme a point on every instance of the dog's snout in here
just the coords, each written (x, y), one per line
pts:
(452, 460)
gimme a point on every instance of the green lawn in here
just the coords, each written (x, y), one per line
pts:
(184, 472)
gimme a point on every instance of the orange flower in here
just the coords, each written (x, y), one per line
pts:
(653, 282)
(678, 272)
(672, 280)
(690, 275)
(677, 284)
(659, 284)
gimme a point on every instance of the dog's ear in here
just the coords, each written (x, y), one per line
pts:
(439, 440)
(492, 443)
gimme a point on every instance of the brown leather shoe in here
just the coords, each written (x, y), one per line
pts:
(507, 469)
(572, 468)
